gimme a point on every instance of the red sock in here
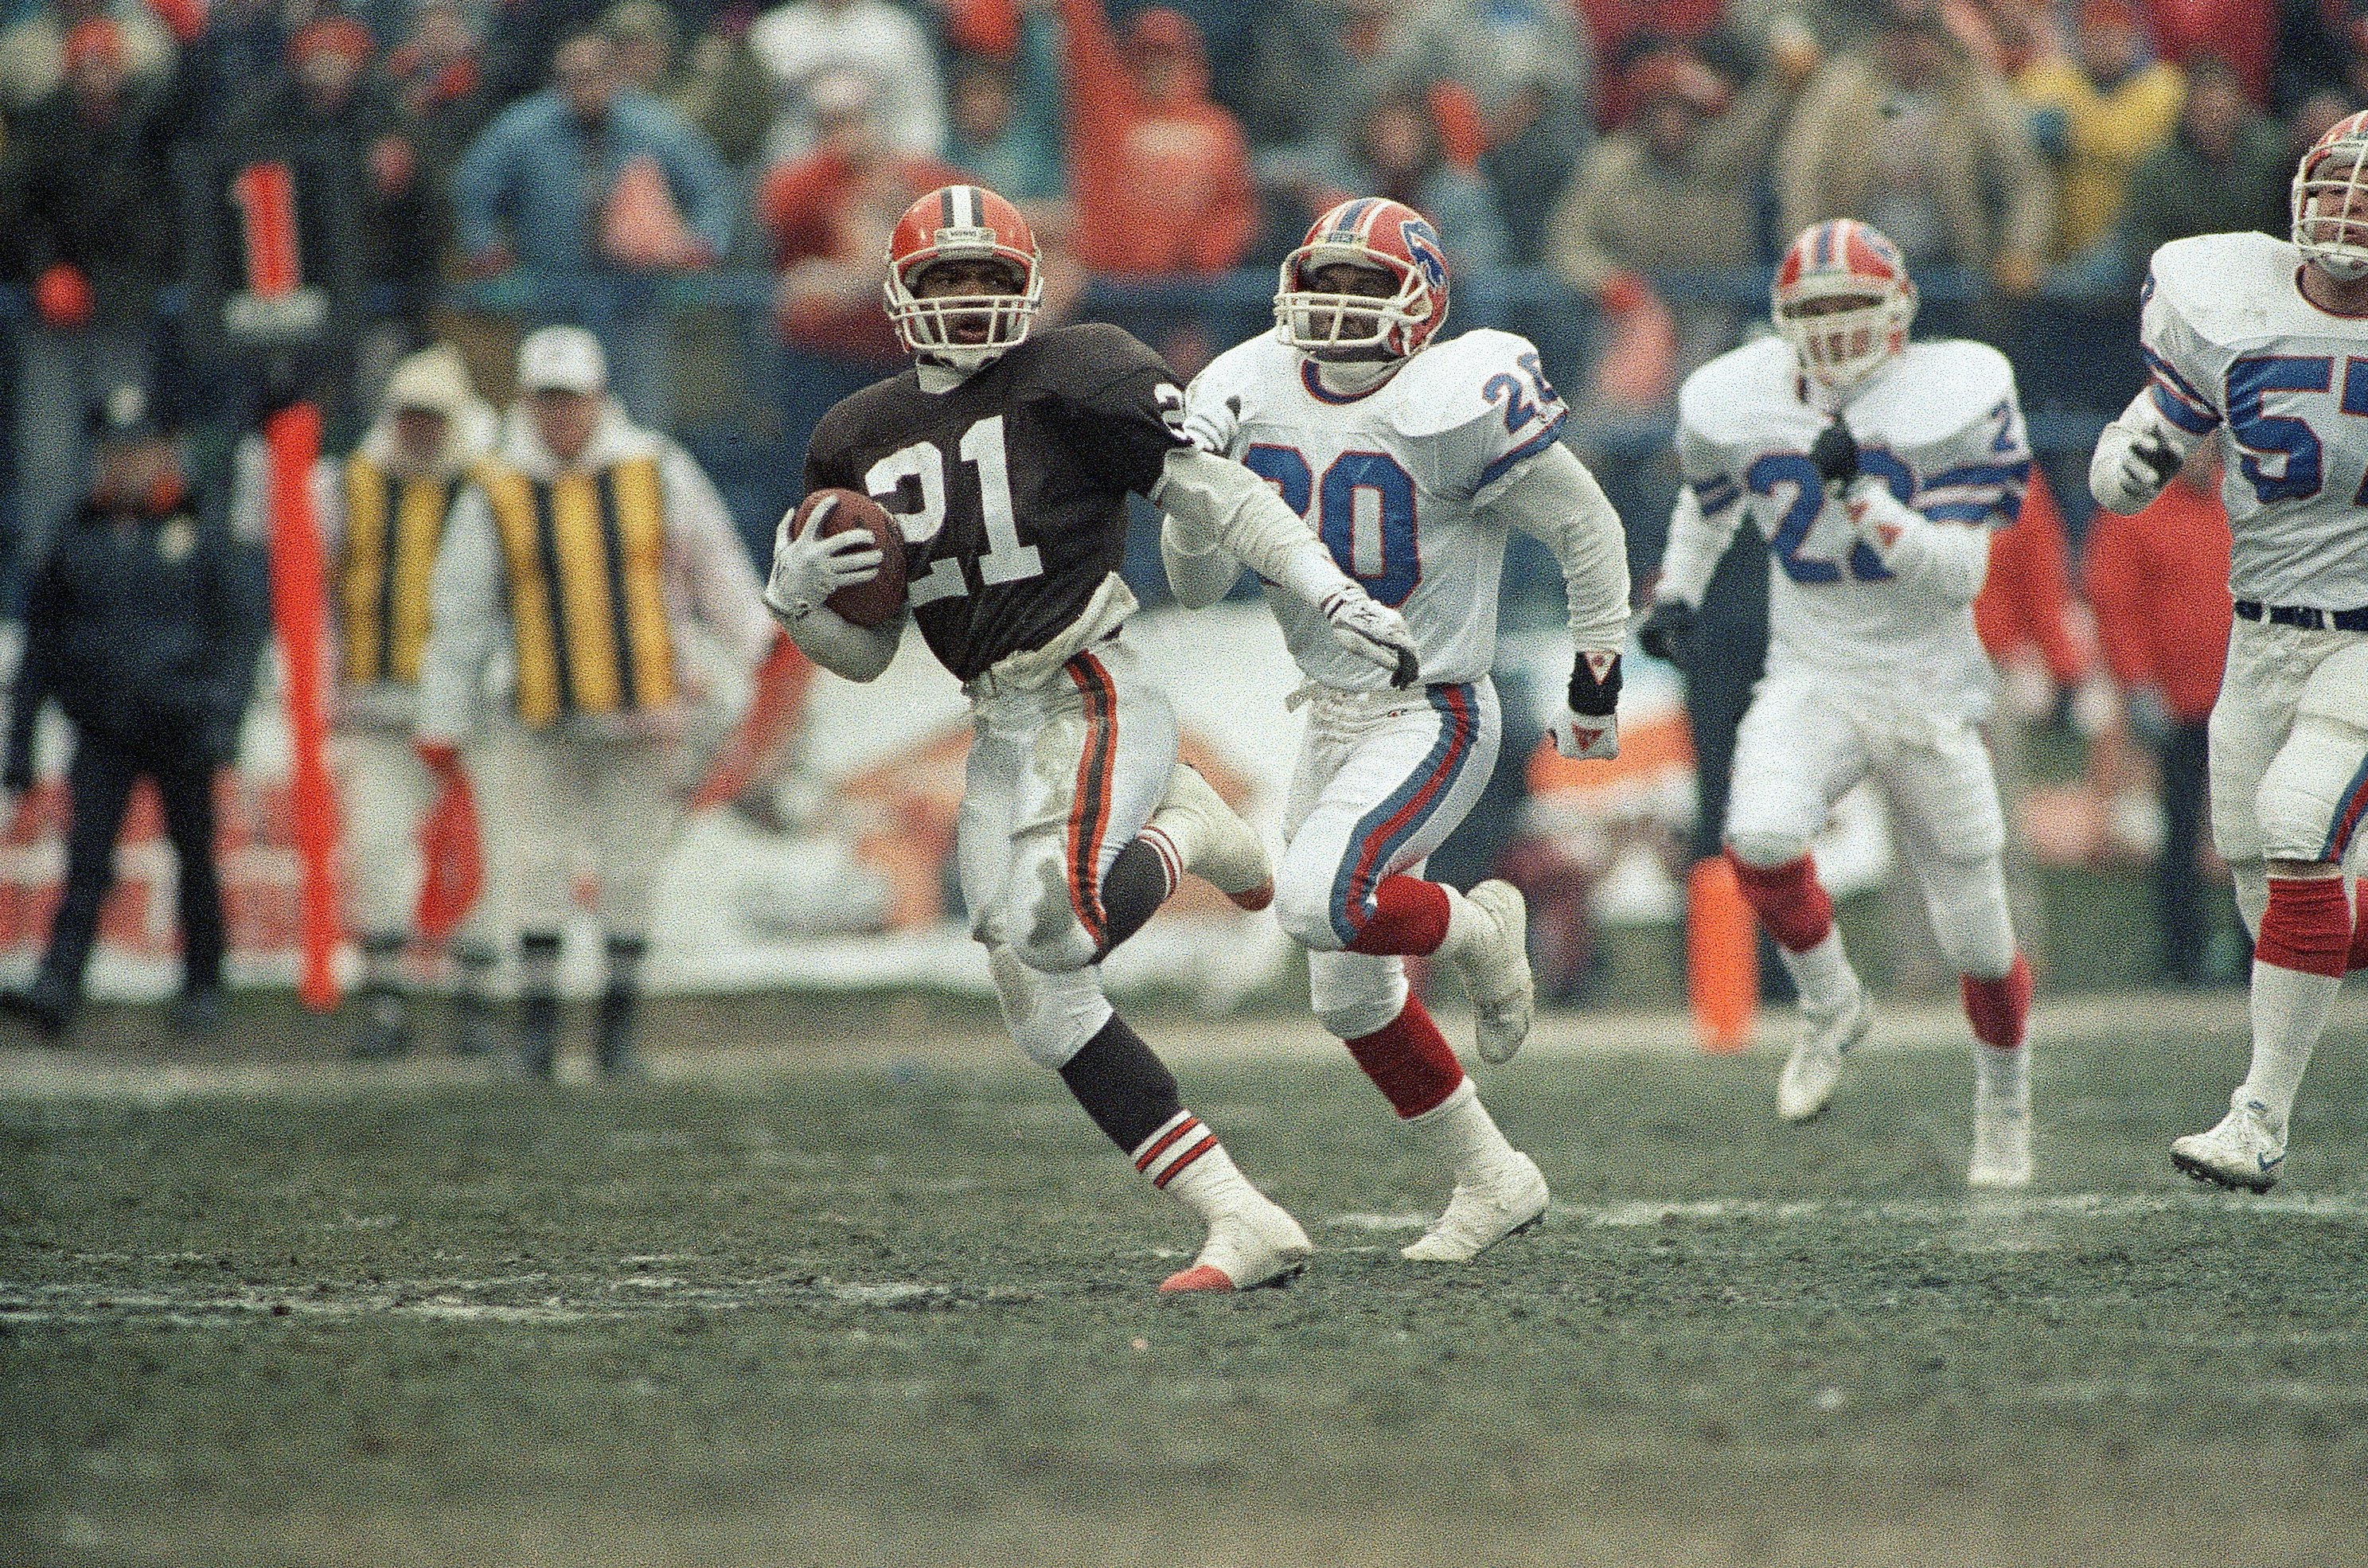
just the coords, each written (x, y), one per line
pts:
(1409, 1061)
(1789, 901)
(1409, 917)
(2359, 955)
(1999, 1009)
(2307, 926)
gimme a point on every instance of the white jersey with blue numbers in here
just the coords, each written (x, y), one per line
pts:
(2232, 345)
(1393, 481)
(1940, 425)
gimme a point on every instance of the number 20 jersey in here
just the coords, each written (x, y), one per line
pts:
(1009, 489)
(2232, 345)
(1940, 425)
(1392, 480)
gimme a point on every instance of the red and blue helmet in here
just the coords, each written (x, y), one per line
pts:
(2330, 200)
(1367, 232)
(1843, 299)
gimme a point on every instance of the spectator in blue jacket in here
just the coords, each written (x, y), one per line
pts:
(607, 190)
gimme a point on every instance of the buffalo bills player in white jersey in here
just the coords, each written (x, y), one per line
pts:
(2264, 344)
(1007, 455)
(1876, 468)
(1409, 457)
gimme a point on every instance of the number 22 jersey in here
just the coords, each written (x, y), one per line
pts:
(2232, 345)
(1940, 425)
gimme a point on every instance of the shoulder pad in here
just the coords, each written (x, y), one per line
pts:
(1245, 367)
(1939, 388)
(1085, 353)
(1447, 384)
(2213, 277)
(1721, 402)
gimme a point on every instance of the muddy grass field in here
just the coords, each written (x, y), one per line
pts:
(880, 1295)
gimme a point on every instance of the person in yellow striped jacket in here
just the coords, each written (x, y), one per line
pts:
(584, 549)
(381, 512)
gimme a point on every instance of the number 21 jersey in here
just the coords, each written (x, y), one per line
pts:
(1010, 488)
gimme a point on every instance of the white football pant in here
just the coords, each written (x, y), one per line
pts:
(2289, 753)
(1380, 779)
(1807, 741)
(1062, 775)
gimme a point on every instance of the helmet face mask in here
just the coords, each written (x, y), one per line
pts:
(1843, 299)
(997, 284)
(2331, 201)
(1318, 307)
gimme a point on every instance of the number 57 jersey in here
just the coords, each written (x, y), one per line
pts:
(1393, 480)
(2232, 345)
(1940, 425)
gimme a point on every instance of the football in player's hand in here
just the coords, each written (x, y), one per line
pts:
(865, 603)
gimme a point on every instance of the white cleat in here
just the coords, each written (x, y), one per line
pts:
(1494, 965)
(1218, 846)
(2245, 1149)
(1256, 1244)
(1815, 1064)
(1507, 1201)
(2001, 1141)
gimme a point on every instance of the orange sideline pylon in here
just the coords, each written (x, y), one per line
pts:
(1722, 957)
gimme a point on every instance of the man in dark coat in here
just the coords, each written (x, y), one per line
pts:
(144, 625)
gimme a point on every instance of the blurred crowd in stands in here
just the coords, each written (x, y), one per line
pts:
(707, 185)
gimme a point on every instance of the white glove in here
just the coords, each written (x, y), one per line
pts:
(1374, 632)
(1585, 739)
(810, 567)
(2128, 471)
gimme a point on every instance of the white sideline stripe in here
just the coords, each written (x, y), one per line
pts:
(1980, 1211)
(2346, 1207)
(90, 1301)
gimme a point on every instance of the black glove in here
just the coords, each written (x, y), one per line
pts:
(2154, 452)
(1590, 696)
(1668, 630)
(1835, 452)
(17, 776)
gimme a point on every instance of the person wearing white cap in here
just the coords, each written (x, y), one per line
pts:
(381, 512)
(583, 548)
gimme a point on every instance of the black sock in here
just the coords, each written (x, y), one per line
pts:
(1137, 885)
(1123, 1085)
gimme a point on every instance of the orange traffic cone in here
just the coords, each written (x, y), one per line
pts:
(1722, 957)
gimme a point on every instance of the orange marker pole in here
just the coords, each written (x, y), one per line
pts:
(299, 612)
(1722, 957)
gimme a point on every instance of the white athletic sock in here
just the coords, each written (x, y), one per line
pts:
(2004, 1074)
(2289, 1010)
(1467, 923)
(1461, 1133)
(1184, 1160)
(1822, 974)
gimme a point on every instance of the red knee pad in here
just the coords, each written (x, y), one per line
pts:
(1409, 1061)
(1409, 917)
(2307, 926)
(2359, 955)
(1789, 899)
(2000, 1010)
